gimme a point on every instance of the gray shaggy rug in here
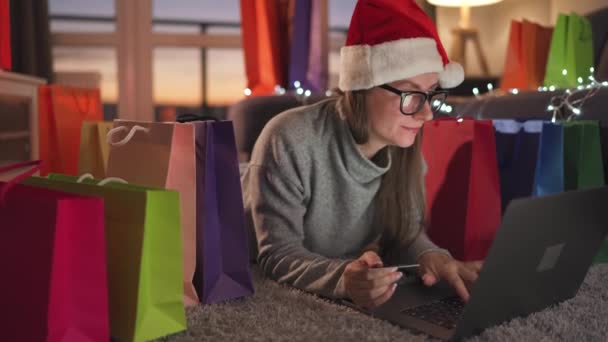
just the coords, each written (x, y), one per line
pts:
(280, 313)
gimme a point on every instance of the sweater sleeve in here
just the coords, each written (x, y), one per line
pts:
(421, 245)
(275, 206)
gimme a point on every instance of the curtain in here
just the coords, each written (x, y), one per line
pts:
(31, 38)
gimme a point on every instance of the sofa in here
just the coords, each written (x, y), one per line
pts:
(251, 114)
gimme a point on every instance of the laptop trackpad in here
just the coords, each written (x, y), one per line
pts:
(414, 294)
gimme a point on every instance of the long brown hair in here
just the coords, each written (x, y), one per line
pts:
(400, 201)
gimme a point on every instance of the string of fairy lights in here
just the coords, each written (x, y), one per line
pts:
(572, 99)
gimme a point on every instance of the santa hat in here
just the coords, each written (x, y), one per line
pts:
(390, 40)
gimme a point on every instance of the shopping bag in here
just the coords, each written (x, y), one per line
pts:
(54, 264)
(62, 110)
(161, 155)
(94, 148)
(462, 186)
(170, 155)
(536, 43)
(514, 74)
(570, 158)
(526, 58)
(517, 155)
(583, 165)
(222, 268)
(571, 50)
(265, 44)
(142, 230)
(549, 173)
(5, 36)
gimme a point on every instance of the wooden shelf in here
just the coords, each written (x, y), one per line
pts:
(4, 136)
(19, 138)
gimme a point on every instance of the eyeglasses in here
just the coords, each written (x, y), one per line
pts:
(412, 101)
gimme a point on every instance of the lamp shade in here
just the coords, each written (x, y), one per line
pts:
(459, 3)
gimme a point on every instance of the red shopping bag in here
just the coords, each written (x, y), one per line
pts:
(62, 110)
(53, 262)
(462, 186)
(5, 36)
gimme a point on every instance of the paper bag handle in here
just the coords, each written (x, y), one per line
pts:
(103, 182)
(183, 118)
(36, 166)
(87, 103)
(125, 140)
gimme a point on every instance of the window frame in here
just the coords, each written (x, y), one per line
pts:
(134, 39)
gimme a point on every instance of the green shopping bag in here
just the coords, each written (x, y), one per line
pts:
(571, 49)
(583, 165)
(144, 256)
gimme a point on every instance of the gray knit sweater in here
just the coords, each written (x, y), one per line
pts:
(308, 194)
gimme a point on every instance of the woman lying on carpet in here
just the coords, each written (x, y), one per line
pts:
(335, 190)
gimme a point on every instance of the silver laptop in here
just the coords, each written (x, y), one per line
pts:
(539, 257)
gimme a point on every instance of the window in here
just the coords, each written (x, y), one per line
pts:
(226, 67)
(197, 77)
(177, 82)
(340, 12)
(195, 11)
(82, 15)
(92, 64)
(191, 70)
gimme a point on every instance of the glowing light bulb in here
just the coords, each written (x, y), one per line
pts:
(247, 92)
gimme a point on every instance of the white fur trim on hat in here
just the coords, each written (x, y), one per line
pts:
(365, 66)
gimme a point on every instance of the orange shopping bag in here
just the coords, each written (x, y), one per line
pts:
(514, 74)
(62, 110)
(265, 44)
(527, 53)
(536, 43)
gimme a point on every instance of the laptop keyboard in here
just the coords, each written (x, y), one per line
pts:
(444, 312)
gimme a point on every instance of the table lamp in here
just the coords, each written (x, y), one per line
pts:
(465, 32)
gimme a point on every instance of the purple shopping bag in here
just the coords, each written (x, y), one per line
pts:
(222, 267)
(308, 54)
(300, 44)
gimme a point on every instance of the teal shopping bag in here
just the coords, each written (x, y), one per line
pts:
(570, 158)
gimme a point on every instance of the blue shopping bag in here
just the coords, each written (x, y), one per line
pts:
(549, 175)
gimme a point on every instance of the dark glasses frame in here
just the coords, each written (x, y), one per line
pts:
(428, 96)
